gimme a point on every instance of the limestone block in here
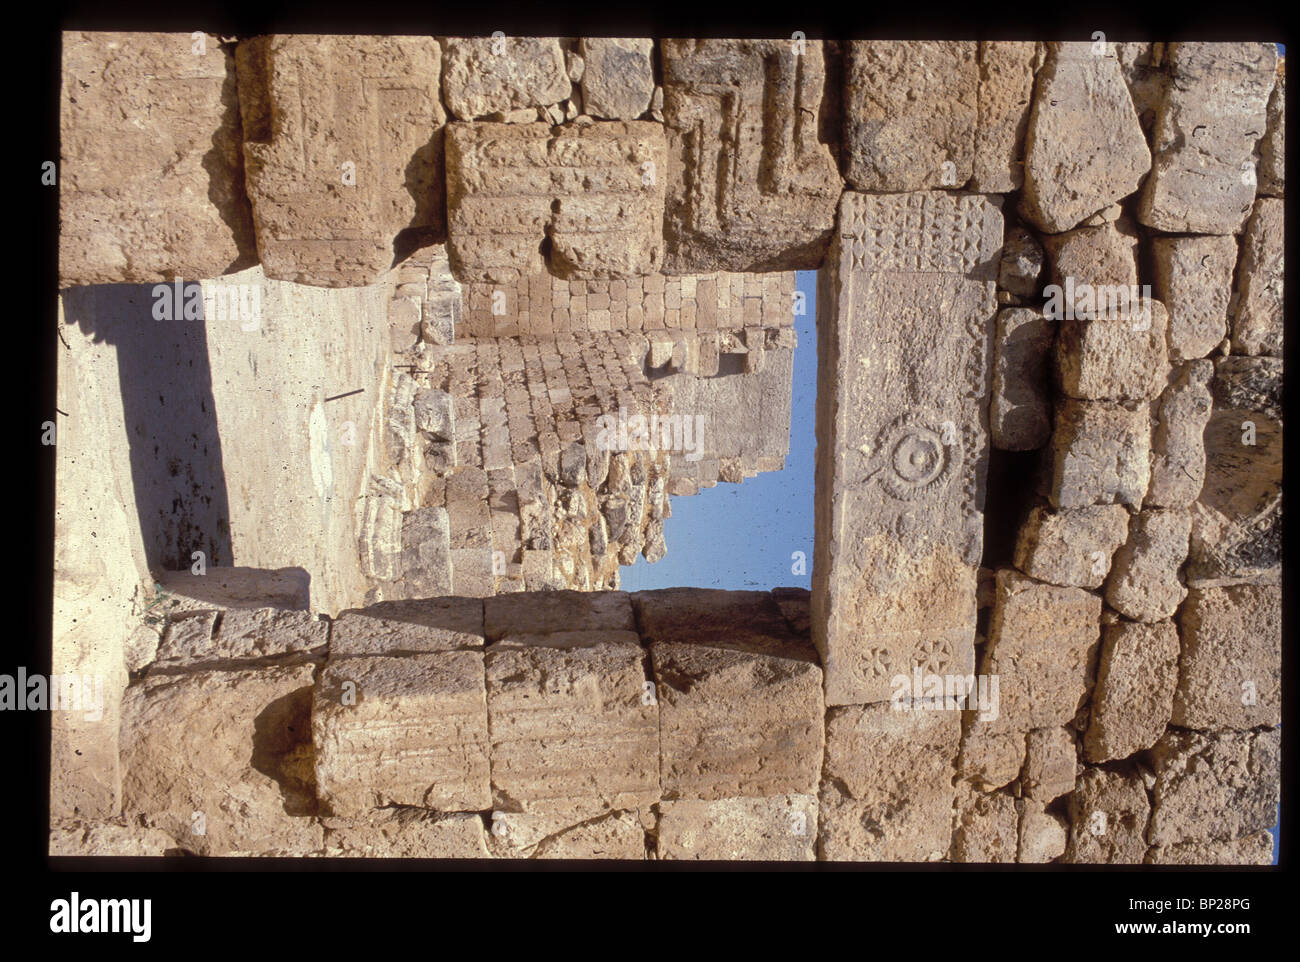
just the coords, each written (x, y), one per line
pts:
(1022, 262)
(781, 828)
(77, 838)
(1147, 76)
(617, 77)
(990, 760)
(1051, 763)
(222, 760)
(1214, 787)
(738, 620)
(1042, 642)
(150, 170)
(1091, 257)
(408, 627)
(1193, 278)
(1020, 409)
(544, 612)
(1237, 521)
(900, 527)
(911, 107)
(887, 791)
(406, 833)
(1101, 454)
(1272, 149)
(426, 552)
(1006, 86)
(568, 832)
(1231, 672)
(1109, 812)
(1071, 547)
(753, 179)
(342, 142)
(402, 731)
(1084, 147)
(571, 718)
(1178, 440)
(1135, 689)
(1043, 835)
(596, 191)
(486, 75)
(224, 587)
(1213, 114)
(1116, 358)
(1257, 324)
(987, 828)
(239, 636)
(1143, 582)
(1254, 849)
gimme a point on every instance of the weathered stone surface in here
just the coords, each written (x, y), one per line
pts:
(1134, 695)
(902, 461)
(1178, 441)
(1084, 148)
(1022, 262)
(157, 191)
(343, 147)
(1042, 642)
(1147, 75)
(1254, 849)
(1071, 547)
(222, 760)
(911, 107)
(222, 587)
(734, 722)
(1090, 257)
(1109, 813)
(752, 155)
(402, 731)
(617, 77)
(595, 191)
(487, 75)
(77, 838)
(1116, 358)
(1143, 582)
(1193, 278)
(1272, 149)
(551, 611)
(1231, 672)
(1051, 763)
(407, 833)
(751, 621)
(990, 760)
(1214, 787)
(408, 627)
(1020, 409)
(239, 636)
(1214, 112)
(1043, 834)
(987, 828)
(782, 828)
(1101, 454)
(887, 791)
(1006, 85)
(1257, 325)
(1237, 521)
(568, 832)
(571, 721)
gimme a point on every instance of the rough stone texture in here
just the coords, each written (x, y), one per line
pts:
(1122, 358)
(223, 587)
(990, 760)
(1093, 256)
(910, 108)
(1147, 76)
(483, 76)
(1144, 583)
(1042, 645)
(752, 155)
(76, 838)
(618, 78)
(1214, 787)
(1178, 441)
(1134, 695)
(782, 828)
(1109, 812)
(544, 613)
(1084, 148)
(408, 627)
(1071, 547)
(417, 733)
(595, 191)
(1214, 112)
(887, 790)
(902, 462)
(569, 720)
(1237, 521)
(1193, 278)
(406, 833)
(568, 833)
(311, 105)
(1257, 325)
(987, 829)
(157, 192)
(1272, 149)
(1043, 835)
(1101, 454)
(1020, 409)
(1051, 764)
(239, 636)
(225, 752)
(1254, 849)
(750, 621)
(1006, 86)
(1231, 672)
(1022, 264)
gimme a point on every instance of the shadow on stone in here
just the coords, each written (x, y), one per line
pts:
(282, 750)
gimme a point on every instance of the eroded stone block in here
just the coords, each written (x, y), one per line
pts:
(1051, 763)
(1115, 358)
(407, 833)
(617, 77)
(1101, 454)
(1272, 149)
(1020, 409)
(1072, 547)
(1257, 325)
(1143, 582)
(239, 636)
(782, 828)
(1006, 86)
(1109, 813)
(1254, 849)
(1134, 695)
(1214, 787)
(990, 760)
(544, 612)
(1178, 440)
(987, 828)
(1193, 278)
(488, 75)
(568, 832)
(1043, 834)
(409, 627)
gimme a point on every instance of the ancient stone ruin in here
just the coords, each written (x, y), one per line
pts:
(380, 356)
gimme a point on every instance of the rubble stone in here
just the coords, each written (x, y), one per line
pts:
(1134, 696)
